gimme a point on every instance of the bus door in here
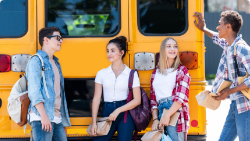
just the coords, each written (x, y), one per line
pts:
(150, 22)
(86, 26)
(17, 43)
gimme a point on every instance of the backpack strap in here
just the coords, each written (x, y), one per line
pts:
(130, 85)
(42, 73)
(235, 60)
(239, 42)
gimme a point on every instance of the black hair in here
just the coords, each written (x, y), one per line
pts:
(47, 31)
(121, 43)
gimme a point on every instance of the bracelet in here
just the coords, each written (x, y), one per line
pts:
(155, 119)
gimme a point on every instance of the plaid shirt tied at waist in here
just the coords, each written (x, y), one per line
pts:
(180, 94)
(243, 60)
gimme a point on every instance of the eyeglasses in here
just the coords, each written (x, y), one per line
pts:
(57, 37)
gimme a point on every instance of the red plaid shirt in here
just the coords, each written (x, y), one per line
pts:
(180, 94)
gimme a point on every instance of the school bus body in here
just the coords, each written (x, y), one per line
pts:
(82, 57)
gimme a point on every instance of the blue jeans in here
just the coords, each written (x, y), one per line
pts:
(236, 124)
(57, 133)
(124, 130)
(171, 130)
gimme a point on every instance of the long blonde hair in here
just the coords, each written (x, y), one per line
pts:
(163, 61)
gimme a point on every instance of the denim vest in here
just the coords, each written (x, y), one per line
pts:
(36, 90)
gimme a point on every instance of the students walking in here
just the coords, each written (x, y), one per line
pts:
(114, 83)
(170, 83)
(48, 113)
(238, 119)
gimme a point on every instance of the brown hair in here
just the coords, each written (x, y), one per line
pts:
(163, 61)
(233, 18)
(47, 31)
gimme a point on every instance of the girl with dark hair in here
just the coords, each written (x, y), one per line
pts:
(114, 83)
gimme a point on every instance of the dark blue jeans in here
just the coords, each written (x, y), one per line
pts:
(124, 130)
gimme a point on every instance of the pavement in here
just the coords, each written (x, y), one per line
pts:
(216, 119)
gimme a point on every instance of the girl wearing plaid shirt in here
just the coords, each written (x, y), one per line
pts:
(170, 83)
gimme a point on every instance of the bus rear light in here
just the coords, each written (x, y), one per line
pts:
(194, 123)
(188, 59)
(4, 63)
(19, 62)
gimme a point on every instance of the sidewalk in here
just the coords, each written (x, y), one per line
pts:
(216, 119)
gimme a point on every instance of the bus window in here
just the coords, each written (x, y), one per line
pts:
(162, 17)
(84, 17)
(13, 13)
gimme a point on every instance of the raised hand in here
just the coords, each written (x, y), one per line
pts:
(201, 25)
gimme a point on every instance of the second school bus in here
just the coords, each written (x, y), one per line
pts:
(87, 26)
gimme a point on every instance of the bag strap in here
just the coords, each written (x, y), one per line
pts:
(235, 60)
(130, 85)
(42, 73)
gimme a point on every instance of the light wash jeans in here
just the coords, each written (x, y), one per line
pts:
(57, 133)
(166, 103)
(236, 124)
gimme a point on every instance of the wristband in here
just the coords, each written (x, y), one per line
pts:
(155, 119)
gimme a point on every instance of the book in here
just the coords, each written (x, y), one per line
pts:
(223, 85)
(173, 118)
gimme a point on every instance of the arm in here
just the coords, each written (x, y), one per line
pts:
(176, 106)
(34, 91)
(156, 121)
(201, 25)
(153, 104)
(180, 99)
(46, 124)
(132, 104)
(95, 107)
(243, 55)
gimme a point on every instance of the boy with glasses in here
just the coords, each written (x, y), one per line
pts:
(48, 113)
(238, 119)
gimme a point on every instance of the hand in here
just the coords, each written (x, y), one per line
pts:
(93, 130)
(114, 115)
(201, 25)
(155, 125)
(46, 124)
(65, 130)
(164, 121)
(223, 94)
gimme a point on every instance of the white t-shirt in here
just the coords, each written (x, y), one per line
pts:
(115, 89)
(164, 84)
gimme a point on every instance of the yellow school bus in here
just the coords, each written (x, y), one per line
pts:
(87, 26)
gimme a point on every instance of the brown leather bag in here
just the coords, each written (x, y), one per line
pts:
(24, 109)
